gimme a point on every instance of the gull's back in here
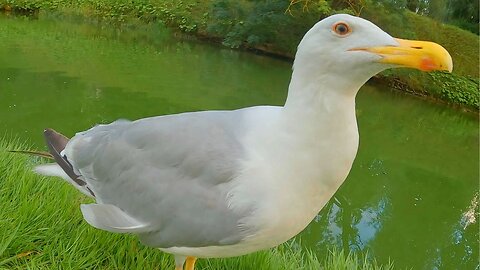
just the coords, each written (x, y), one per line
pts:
(171, 173)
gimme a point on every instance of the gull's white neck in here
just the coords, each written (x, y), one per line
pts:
(313, 84)
(300, 155)
(322, 109)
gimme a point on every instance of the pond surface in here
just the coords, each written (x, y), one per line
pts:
(412, 196)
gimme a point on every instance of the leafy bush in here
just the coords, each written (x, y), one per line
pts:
(264, 24)
(457, 89)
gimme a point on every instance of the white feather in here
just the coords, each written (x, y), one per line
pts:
(54, 169)
(111, 218)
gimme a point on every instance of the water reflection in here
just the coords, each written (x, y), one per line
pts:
(356, 229)
(462, 250)
(351, 229)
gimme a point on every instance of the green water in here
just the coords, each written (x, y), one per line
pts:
(413, 183)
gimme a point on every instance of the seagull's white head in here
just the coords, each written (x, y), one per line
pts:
(353, 49)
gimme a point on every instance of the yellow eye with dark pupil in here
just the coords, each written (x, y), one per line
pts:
(341, 29)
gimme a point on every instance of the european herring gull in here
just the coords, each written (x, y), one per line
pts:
(226, 183)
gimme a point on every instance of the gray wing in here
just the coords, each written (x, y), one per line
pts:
(170, 172)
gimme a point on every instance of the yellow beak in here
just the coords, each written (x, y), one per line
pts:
(422, 55)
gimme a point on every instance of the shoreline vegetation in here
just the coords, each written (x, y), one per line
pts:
(41, 227)
(274, 27)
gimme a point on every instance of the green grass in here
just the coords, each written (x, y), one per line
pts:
(41, 227)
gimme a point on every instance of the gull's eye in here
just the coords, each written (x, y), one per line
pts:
(341, 29)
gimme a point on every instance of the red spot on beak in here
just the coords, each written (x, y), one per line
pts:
(427, 64)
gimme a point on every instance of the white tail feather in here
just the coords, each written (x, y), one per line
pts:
(54, 169)
(111, 218)
(51, 169)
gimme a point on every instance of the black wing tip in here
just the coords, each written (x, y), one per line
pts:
(55, 139)
(56, 143)
(49, 132)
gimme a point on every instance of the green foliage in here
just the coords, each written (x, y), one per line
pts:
(461, 13)
(264, 24)
(41, 227)
(270, 25)
(277, 26)
(172, 13)
(176, 13)
(21, 6)
(456, 89)
(452, 88)
(464, 14)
